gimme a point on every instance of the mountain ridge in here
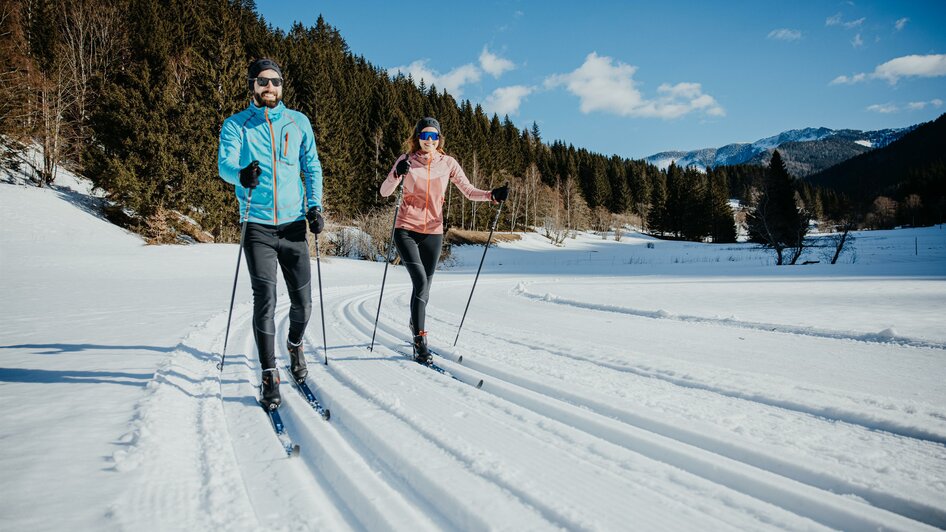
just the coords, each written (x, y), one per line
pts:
(805, 151)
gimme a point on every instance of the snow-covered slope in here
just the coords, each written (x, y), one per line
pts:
(676, 386)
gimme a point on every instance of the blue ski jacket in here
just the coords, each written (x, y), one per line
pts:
(283, 143)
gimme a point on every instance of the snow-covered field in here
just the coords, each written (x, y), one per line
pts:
(675, 387)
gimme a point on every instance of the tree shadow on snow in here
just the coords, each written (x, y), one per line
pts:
(43, 376)
(58, 349)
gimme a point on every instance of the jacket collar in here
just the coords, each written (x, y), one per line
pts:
(423, 157)
(273, 113)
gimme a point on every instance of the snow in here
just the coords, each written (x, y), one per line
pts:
(663, 163)
(680, 386)
(865, 143)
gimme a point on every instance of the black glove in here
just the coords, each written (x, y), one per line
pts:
(500, 194)
(249, 176)
(316, 223)
(402, 167)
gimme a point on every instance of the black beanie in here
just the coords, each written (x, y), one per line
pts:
(427, 122)
(262, 64)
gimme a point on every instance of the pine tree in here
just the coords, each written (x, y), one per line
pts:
(657, 216)
(775, 220)
(722, 225)
(696, 212)
(131, 121)
(621, 200)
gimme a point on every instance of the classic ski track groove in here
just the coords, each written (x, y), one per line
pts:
(816, 332)
(499, 404)
(886, 500)
(303, 424)
(828, 485)
(336, 456)
(297, 480)
(851, 418)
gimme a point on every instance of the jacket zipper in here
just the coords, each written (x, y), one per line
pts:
(427, 195)
(272, 138)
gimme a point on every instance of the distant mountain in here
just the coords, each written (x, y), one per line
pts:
(805, 151)
(914, 164)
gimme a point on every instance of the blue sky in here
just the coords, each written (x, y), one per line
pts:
(637, 78)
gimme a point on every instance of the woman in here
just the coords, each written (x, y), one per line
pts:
(418, 234)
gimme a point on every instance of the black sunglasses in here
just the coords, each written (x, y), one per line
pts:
(264, 82)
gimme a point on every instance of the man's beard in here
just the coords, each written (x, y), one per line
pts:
(260, 102)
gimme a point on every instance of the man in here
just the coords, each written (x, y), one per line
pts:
(263, 151)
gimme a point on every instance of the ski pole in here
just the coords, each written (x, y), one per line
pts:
(491, 229)
(318, 269)
(387, 260)
(226, 336)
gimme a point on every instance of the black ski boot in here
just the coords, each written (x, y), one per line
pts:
(297, 359)
(421, 353)
(270, 398)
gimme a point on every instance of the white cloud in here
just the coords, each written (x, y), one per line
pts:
(603, 84)
(919, 106)
(506, 100)
(844, 80)
(901, 23)
(452, 81)
(854, 23)
(885, 108)
(888, 108)
(784, 34)
(857, 42)
(921, 66)
(493, 64)
(837, 20)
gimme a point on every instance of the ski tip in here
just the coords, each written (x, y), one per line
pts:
(327, 414)
(479, 384)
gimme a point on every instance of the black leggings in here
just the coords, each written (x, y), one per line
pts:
(264, 246)
(420, 253)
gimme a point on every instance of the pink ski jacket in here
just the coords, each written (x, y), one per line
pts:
(425, 186)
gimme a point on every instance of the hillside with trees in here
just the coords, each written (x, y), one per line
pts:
(133, 94)
(902, 183)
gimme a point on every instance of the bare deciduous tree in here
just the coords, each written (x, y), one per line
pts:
(884, 213)
(911, 206)
(842, 238)
(91, 45)
(56, 96)
(555, 232)
(533, 179)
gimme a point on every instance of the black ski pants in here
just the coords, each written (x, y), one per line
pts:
(419, 253)
(264, 246)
